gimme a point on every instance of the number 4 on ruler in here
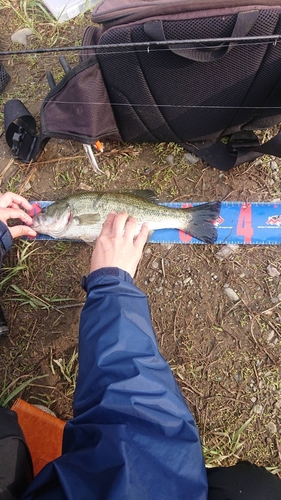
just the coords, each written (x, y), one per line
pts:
(244, 226)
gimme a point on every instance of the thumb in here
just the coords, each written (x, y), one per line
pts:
(17, 231)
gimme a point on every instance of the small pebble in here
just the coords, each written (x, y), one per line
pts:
(253, 399)
(238, 377)
(45, 409)
(272, 271)
(155, 265)
(27, 186)
(270, 336)
(190, 158)
(170, 160)
(258, 409)
(271, 427)
(21, 36)
(226, 251)
(273, 165)
(231, 294)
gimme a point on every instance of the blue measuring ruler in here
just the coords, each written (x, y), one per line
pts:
(239, 223)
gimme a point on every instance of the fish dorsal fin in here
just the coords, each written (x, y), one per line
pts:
(146, 194)
(86, 219)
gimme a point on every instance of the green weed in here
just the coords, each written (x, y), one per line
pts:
(227, 445)
(64, 180)
(26, 298)
(171, 148)
(24, 251)
(68, 368)
(13, 183)
(10, 391)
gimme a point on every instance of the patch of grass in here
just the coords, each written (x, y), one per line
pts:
(171, 148)
(64, 180)
(27, 298)
(45, 27)
(14, 388)
(42, 399)
(226, 445)
(24, 251)
(14, 183)
(32, 14)
(68, 369)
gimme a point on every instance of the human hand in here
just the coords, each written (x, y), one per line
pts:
(10, 208)
(118, 245)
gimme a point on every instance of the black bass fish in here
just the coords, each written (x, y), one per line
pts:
(81, 216)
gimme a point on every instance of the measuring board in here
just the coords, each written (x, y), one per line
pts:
(239, 223)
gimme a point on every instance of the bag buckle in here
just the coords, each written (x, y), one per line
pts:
(243, 140)
(23, 145)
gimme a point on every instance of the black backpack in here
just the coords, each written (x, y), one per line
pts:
(201, 74)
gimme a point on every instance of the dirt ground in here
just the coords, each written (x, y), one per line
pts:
(225, 355)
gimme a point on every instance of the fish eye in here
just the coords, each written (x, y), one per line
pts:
(43, 211)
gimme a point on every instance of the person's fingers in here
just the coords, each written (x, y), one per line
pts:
(141, 238)
(17, 231)
(108, 223)
(131, 228)
(119, 223)
(13, 213)
(9, 198)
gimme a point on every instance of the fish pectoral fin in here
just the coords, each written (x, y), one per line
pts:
(86, 219)
(88, 239)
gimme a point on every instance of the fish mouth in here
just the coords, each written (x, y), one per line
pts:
(56, 227)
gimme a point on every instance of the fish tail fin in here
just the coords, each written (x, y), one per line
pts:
(201, 226)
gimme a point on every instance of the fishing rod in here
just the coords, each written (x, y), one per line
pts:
(274, 39)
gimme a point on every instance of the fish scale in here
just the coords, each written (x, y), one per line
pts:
(255, 223)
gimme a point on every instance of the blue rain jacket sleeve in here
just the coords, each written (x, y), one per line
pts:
(132, 436)
(6, 240)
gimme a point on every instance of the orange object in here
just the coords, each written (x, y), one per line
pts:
(99, 146)
(43, 433)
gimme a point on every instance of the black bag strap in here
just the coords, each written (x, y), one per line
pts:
(20, 129)
(242, 147)
(243, 25)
